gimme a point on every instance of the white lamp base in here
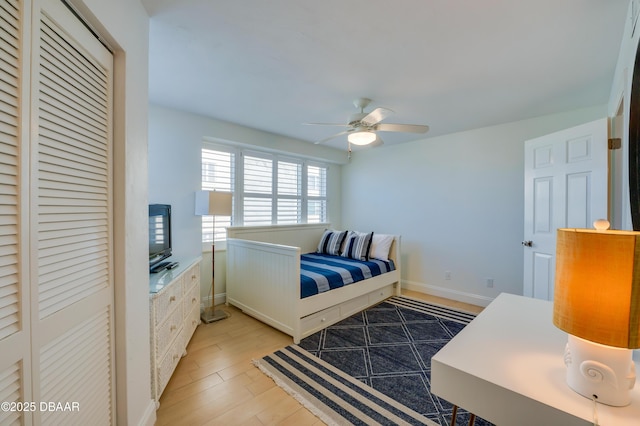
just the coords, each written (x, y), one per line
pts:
(604, 372)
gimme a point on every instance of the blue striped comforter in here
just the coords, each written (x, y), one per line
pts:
(324, 272)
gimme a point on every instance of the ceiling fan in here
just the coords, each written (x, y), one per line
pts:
(364, 125)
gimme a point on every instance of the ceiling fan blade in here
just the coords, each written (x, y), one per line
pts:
(325, 124)
(331, 137)
(409, 128)
(376, 116)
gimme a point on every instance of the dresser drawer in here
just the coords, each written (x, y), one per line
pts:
(191, 278)
(166, 301)
(190, 323)
(191, 299)
(168, 364)
(168, 331)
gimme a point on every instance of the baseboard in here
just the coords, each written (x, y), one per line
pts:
(460, 296)
(149, 417)
(219, 299)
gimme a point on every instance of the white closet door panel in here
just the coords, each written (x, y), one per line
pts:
(91, 154)
(10, 12)
(9, 309)
(6, 139)
(73, 150)
(83, 148)
(10, 306)
(56, 282)
(8, 42)
(69, 362)
(66, 91)
(15, 361)
(8, 112)
(72, 197)
(11, 391)
(71, 108)
(71, 65)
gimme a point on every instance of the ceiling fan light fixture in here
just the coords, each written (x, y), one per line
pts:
(362, 137)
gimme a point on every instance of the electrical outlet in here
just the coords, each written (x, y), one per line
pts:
(447, 275)
(489, 282)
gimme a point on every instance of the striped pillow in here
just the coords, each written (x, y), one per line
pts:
(357, 245)
(331, 242)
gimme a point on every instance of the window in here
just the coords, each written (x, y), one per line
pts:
(267, 189)
(218, 171)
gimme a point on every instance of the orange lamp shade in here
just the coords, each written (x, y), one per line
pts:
(597, 286)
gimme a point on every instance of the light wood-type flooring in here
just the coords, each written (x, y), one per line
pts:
(216, 383)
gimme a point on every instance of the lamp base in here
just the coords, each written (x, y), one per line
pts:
(599, 371)
(210, 315)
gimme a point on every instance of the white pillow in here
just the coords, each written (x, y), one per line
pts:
(380, 246)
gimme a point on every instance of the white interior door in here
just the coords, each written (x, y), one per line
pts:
(71, 228)
(565, 186)
(56, 260)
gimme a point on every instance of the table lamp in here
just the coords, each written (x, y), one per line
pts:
(597, 302)
(212, 203)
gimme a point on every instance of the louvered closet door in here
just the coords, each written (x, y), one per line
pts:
(15, 364)
(71, 201)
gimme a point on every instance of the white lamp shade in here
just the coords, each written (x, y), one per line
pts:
(361, 137)
(210, 203)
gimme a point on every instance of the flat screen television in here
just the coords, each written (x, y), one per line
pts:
(159, 233)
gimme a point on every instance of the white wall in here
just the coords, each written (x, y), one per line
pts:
(175, 141)
(456, 200)
(125, 26)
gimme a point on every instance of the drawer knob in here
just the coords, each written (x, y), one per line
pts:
(173, 327)
(193, 300)
(323, 320)
(176, 356)
(172, 299)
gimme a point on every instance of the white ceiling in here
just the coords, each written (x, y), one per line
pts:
(452, 64)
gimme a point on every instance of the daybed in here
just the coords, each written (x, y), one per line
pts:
(263, 279)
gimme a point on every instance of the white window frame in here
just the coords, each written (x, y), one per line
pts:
(238, 188)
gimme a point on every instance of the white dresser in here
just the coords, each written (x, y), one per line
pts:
(174, 308)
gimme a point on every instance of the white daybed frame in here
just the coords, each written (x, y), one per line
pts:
(263, 279)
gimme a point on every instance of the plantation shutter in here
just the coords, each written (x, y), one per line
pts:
(289, 189)
(14, 309)
(56, 262)
(258, 190)
(267, 188)
(316, 194)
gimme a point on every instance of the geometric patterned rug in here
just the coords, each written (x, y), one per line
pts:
(373, 367)
(389, 348)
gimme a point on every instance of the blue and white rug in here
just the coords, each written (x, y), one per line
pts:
(374, 367)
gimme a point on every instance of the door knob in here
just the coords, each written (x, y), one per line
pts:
(527, 243)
